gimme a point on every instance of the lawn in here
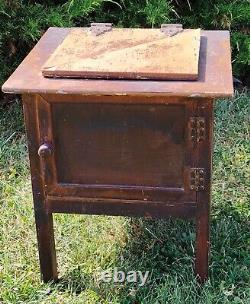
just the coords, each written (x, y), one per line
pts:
(88, 244)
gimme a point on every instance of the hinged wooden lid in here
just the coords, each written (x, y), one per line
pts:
(169, 53)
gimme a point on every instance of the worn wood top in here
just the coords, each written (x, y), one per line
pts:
(126, 54)
(215, 73)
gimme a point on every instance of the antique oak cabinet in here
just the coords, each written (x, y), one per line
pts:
(120, 122)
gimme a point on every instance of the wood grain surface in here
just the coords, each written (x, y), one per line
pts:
(214, 80)
(126, 53)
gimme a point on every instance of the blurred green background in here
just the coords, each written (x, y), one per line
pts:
(23, 22)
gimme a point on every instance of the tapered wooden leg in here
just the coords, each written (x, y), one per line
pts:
(46, 246)
(202, 245)
(204, 161)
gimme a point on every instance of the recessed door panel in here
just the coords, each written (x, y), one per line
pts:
(118, 151)
(106, 144)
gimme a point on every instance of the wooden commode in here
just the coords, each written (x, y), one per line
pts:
(120, 122)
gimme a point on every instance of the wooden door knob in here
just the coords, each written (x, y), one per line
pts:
(45, 150)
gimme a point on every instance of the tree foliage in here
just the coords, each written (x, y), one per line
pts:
(22, 22)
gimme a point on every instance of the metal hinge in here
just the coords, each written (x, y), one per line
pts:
(171, 29)
(197, 179)
(197, 129)
(100, 28)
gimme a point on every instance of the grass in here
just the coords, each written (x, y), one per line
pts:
(87, 244)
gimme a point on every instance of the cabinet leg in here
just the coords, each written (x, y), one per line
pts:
(46, 245)
(202, 246)
(203, 196)
(44, 220)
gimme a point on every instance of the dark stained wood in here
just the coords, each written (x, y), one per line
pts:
(119, 144)
(135, 148)
(97, 146)
(121, 99)
(204, 160)
(127, 198)
(215, 73)
(120, 207)
(141, 193)
(44, 220)
(46, 137)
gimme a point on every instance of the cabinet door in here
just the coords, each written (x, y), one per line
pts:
(122, 151)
